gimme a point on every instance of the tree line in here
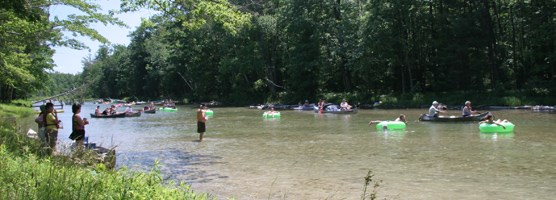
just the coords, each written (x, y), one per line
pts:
(250, 51)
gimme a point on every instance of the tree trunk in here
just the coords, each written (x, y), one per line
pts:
(491, 46)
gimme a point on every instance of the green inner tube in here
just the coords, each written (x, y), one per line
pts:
(494, 128)
(390, 125)
(209, 113)
(271, 115)
(168, 109)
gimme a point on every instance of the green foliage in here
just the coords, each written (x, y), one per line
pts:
(511, 101)
(16, 110)
(28, 177)
(412, 52)
(374, 184)
(22, 103)
(26, 38)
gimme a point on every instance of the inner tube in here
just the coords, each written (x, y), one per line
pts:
(169, 109)
(390, 125)
(209, 113)
(271, 115)
(494, 128)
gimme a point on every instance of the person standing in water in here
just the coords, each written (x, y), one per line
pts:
(78, 126)
(201, 121)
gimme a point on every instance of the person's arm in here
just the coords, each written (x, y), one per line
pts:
(439, 110)
(79, 121)
(499, 124)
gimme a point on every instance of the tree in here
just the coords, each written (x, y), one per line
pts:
(27, 36)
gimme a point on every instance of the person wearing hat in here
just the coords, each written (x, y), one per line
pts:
(433, 110)
(201, 121)
(467, 110)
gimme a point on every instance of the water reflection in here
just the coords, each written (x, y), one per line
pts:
(497, 136)
(395, 135)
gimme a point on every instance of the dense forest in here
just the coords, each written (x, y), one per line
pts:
(251, 51)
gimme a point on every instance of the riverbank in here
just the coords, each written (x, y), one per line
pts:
(29, 174)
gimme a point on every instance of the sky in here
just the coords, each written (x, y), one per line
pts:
(69, 60)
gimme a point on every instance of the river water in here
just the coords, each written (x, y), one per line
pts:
(305, 155)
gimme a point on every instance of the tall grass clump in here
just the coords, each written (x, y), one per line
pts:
(370, 183)
(33, 178)
(17, 143)
(15, 111)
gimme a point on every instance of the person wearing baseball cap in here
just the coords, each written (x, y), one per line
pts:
(467, 110)
(433, 110)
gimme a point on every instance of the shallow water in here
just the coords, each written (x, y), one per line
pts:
(305, 155)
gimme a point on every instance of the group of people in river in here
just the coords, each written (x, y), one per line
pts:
(436, 109)
(112, 110)
(48, 125)
(467, 111)
(344, 105)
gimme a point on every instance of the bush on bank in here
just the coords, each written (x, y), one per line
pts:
(28, 174)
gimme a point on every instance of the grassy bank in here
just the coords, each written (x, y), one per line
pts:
(28, 174)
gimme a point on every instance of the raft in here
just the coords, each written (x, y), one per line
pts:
(494, 128)
(169, 109)
(390, 125)
(209, 113)
(274, 115)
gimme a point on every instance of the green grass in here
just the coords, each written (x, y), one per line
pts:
(31, 177)
(8, 111)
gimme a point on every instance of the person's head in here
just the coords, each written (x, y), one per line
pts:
(49, 107)
(75, 108)
(402, 117)
(435, 103)
(467, 103)
(43, 108)
(488, 117)
(98, 107)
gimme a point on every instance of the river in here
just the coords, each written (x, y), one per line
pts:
(305, 155)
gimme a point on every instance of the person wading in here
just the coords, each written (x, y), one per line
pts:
(201, 121)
